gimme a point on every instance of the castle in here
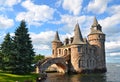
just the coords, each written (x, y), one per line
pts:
(85, 54)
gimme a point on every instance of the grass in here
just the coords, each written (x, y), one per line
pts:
(7, 77)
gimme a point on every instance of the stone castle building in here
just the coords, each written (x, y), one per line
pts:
(85, 54)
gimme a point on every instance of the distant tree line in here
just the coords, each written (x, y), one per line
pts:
(16, 53)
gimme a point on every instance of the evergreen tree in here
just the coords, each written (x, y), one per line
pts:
(1, 61)
(6, 52)
(37, 58)
(24, 53)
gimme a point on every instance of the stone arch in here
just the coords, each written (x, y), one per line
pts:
(60, 62)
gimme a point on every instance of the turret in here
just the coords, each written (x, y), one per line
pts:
(97, 38)
(78, 39)
(55, 44)
(77, 50)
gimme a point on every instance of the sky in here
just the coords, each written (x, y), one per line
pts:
(45, 17)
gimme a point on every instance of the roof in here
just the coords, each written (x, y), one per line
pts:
(96, 28)
(77, 39)
(95, 22)
(56, 39)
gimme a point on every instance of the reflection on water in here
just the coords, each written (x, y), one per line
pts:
(56, 77)
(112, 75)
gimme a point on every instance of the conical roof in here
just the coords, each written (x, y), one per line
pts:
(77, 39)
(95, 22)
(57, 39)
(96, 28)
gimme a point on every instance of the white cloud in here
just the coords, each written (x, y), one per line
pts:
(97, 6)
(5, 22)
(11, 3)
(42, 41)
(8, 4)
(73, 6)
(115, 54)
(70, 21)
(112, 45)
(36, 14)
(111, 24)
(114, 9)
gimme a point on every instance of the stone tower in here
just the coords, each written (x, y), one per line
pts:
(97, 38)
(77, 50)
(55, 44)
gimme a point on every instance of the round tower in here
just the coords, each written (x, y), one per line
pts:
(77, 51)
(55, 44)
(97, 38)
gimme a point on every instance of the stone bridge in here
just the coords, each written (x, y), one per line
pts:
(59, 61)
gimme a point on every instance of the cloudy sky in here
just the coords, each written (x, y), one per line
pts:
(44, 17)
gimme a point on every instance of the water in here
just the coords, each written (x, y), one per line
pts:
(112, 75)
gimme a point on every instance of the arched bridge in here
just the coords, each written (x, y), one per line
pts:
(59, 61)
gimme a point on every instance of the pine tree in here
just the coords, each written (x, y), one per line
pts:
(24, 53)
(6, 52)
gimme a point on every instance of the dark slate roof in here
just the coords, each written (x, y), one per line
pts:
(77, 39)
(56, 39)
(95, 28)
(95, 22)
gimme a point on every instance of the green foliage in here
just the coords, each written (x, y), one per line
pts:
(23, 50)
(7, 77)
(1, 61)
(6, 52)
(37, 58)
(17, 53)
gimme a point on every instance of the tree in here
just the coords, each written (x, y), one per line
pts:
(6, 51)
(23, 50)
(37, 58)
(1, 61)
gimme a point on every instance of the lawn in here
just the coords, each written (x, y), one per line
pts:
(7, 77)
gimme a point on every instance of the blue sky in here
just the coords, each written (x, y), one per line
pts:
(44, 17)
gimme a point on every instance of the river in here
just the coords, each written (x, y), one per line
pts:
(112, 75)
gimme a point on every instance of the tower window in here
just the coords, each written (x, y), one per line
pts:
(79, 49)
(53, 51)
(81, 64)
(59, 51)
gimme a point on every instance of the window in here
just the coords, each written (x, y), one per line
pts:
(65, 52)
(59, 51)
(79, 49)
(81, 64)
(53, 51)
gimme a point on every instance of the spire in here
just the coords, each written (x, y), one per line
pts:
(56, 39)
(77, 35)
(95, 22)
(96, 28)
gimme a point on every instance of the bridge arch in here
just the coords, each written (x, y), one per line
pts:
(60, 62)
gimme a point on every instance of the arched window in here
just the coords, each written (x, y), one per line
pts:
(59, 51)
(65, 52)
(53, 51)
(79, 48)
(80, 63)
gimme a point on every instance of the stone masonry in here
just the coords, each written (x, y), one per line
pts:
(86, 54)
(77, 54)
